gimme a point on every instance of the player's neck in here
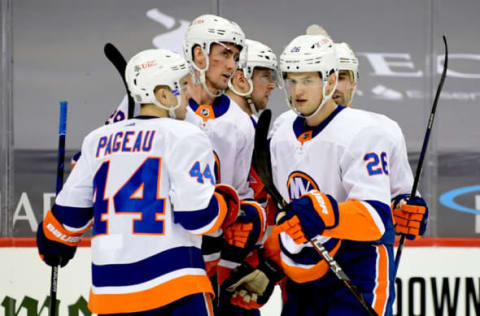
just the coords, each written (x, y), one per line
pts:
(241, 101)
(324, 112)
(153, 110)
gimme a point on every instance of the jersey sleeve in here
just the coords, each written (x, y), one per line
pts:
(365, 171)
(243, 161)
(74, 204)
(401, 177)
(190, 170)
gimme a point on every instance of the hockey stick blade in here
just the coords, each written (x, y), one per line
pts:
(262, 165)
(424, 146)
(261, 156)
(119, 62)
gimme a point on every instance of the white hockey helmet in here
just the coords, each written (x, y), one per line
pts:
(152, 68)
(347, 59)
(255, 55)
(310, 53)
(206, 30)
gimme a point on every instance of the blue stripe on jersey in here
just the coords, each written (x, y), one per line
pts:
(76, 217)
(253, 121)
(308, 255)
(335, 211)
(299, 125)
(385, 213)
(192, 220)
(147, 269)
(220, 105)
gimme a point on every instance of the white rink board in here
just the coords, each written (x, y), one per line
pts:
(26, 279)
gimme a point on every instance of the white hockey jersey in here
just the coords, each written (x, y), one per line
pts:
(150, 183)
(347, 157)
(401, 177)
(232, 136)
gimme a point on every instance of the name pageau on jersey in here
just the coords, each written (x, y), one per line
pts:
(149, 184)
(348, 157)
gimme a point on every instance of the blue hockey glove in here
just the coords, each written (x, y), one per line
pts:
(56, 245)
(308, 216)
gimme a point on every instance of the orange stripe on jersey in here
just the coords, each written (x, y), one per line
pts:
(55, 231)
(382, 287)
(209, 304)
(158, 296)
(222, 213)
(302, 275)
(206, 112)
(355, 223)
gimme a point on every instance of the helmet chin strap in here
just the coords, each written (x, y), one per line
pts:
(204, 85)
(170, 109)
(320, 106)
(352, 95)
(202, 78)
(247, 95)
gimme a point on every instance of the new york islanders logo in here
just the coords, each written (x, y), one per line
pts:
(205, 112)
(300, 183)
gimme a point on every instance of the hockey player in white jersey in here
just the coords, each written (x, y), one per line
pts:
(410, 215)
(212, 48)
(331, 163)
(148, 187)
(249, 88)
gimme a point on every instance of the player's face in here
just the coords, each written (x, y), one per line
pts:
(345, 87)
(222, 63)
(304, 90)
(263, 84)
(185, 88)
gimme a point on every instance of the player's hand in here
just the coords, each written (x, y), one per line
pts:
(410, 216)
(242, 236)
(230, 196)
(308, 216)
(56, 245)
(249, 226)
(252, 287)
(52, 252)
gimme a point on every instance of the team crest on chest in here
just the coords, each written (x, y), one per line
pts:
(300, 183)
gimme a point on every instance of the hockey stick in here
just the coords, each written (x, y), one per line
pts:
(262, 165)
(116, 58)
(424, 147)
(62, 131)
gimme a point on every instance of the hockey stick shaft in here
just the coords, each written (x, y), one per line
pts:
(424, 146)
(119, 62)
(261, 163)
(62, 131)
